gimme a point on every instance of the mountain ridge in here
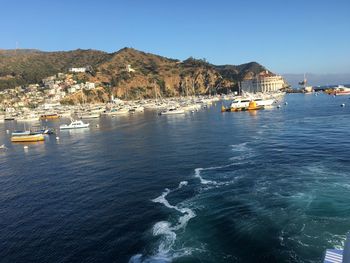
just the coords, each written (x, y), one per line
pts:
(147, 75)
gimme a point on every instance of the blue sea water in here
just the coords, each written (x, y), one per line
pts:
(265, 186)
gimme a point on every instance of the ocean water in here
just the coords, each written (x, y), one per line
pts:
(268, 186)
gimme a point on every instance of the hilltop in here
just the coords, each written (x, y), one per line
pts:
(127, 73)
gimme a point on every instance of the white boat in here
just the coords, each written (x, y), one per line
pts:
(240, 103)
(114, 112)
(137, 109)
(89, 116)
(341, 90)
(3, 147)
(20, 133)
(172, 111)
(244, 102)
(74, 125)
(264, 102)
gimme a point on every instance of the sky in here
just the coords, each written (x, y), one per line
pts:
(286, 36)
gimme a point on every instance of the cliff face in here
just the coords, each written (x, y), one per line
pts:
(128, 73)
(150, 75)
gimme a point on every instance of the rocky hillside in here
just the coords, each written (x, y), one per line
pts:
(128, 73)
(27, 66)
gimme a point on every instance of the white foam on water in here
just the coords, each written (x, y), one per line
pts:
(167, 231)
(241, 147)
(197, 174)
(181, 184)
(168, 237)
(243, 153)
(138, 258)
(238, 159)
(337, 241)
(162, 199)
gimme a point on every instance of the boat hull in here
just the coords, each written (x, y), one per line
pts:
(91, 116)
(28, 138)
(49, 117)
(20, 133)
(75, 127)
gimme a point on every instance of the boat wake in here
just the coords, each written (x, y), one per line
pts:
(244, 153)
(166, 231)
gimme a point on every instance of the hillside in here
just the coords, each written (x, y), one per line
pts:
(22, 67)
(148, 75)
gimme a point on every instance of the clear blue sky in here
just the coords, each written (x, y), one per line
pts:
(287, 36)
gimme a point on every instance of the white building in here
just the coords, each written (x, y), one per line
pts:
(77, 70)
(72, 89)
(89, 85)
(129, 68)
(264, 82)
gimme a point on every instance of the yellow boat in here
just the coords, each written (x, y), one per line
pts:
(252, 107)
(53, 116)
(28, 138)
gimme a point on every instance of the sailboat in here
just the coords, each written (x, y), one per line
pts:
(306, 89)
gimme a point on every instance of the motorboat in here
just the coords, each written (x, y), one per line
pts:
(3, 147)
(341, 90)
(20, 133)
(89, 116)
(239, 103)
(74, 125)
(244, 102)
(9, 118)
(28, 138)
(51, 116)
(43, 131)
(252, 106)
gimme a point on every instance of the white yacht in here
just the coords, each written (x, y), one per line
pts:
(244, 102)
(74, 125)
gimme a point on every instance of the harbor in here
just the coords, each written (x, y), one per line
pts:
(174, 132)
(242, 160)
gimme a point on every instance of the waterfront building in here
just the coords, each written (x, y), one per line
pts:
(264, 82)
(77, 70)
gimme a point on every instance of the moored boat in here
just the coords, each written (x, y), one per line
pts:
(53, 116)
(28, 138)
(136, 109)
(244, 102)
(43, 131)
(9, 118)
(20, 133)
(3, 147)
(340, 90)
(74, 125)
(172, 111)
(252, 106)
(89, 116)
